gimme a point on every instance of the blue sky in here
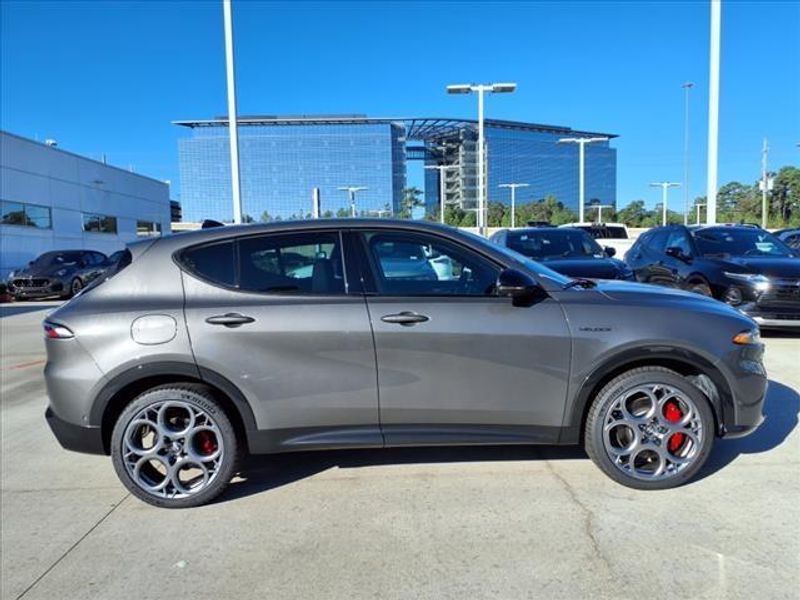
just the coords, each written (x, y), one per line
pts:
(109, 77)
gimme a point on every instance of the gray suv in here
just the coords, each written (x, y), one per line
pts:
(203, 346)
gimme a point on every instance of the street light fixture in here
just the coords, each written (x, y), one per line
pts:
(351, 192)
(513, 187)
(581, 168)
(664, 185)
(600, 208)
(481, 89)
(441, 169)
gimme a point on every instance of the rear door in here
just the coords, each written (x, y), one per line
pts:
(275, 314)
(455, 362)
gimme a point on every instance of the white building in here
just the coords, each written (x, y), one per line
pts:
(51, 199)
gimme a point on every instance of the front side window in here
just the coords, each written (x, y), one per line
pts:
(679, 239)
(410, 264)
(95, 223)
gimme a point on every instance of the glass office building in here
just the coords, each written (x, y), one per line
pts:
(282, 159)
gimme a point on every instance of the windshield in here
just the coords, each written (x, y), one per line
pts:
(549, 244)
(739, 242)
(610, 232)
(51, 259)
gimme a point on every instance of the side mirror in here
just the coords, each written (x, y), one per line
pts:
(519, 286)
(676, 252)
(610, 252)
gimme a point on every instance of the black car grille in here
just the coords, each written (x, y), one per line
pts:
(782, 292)
(30, 283)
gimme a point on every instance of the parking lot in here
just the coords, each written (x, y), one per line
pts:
(511, 522)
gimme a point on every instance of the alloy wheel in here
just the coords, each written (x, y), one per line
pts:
(652, 432)
(172, 449)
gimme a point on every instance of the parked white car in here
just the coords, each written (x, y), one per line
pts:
(613, 235)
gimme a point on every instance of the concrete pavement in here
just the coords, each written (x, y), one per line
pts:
(418, 523)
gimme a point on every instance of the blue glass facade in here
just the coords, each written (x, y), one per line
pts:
(281, 164)
(283, 158)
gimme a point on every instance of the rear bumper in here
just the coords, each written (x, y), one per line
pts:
(73, 437)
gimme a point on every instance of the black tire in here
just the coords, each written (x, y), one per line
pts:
(700, 287)
(201, 400)
(75, 286)
(594, 435)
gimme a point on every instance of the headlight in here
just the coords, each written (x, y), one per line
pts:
(746, 338)
(758, 281)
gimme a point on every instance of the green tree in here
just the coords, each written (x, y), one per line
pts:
(266, 217)
(411, 200)
(634, 214)
(785, 198)
(343, 213)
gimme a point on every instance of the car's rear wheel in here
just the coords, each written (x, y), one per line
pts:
(75, 287)
(650, 428)
(175, 447)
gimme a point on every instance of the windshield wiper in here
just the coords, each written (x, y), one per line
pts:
(580, 282)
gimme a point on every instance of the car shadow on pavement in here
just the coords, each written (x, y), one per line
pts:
(266, 472)
(781, 408)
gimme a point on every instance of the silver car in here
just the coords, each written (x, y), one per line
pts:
(204, 346)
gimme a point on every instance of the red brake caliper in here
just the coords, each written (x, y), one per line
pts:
(208, 445)
(673, 414)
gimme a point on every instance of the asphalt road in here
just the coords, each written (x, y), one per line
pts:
(464, 524)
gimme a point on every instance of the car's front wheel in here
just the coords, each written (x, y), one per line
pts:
(175, 447)
(650, 428)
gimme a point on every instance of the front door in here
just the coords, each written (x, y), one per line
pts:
(273, 314)
(455, 362)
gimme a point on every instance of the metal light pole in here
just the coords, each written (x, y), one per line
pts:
(764, 184)
(686, 87)
(233, 134)
(513, 187)
(581, 162)
(713, 112)
(664, 185)
(600, 208)
(351, 193)
(697, 208)
(480, 89)
(441, 169)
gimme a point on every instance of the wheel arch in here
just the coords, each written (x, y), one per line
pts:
(127, 385)
(702, 373)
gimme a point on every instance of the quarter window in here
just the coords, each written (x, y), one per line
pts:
(410, 264)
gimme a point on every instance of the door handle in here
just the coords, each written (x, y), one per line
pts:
(229, 320)
(406, 318)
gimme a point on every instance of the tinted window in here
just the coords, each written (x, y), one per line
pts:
(658, 241)
(213, 262)
(65, 259)
(99, 223)
(739, 242)
(410, 264)
(309, 263)
(679, 239)
(560, 243)
(793, 241)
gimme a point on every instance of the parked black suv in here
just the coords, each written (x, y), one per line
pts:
(746, 267)
(61, 273)
(571, 252)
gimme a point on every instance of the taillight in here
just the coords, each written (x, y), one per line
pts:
(57, 332)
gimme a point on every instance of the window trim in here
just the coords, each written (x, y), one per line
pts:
(367, 262)
(179, 260)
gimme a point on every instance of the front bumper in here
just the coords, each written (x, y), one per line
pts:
(22, 288)
(747, 381)
(88, 440)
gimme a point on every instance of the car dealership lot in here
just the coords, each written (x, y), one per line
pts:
(513, 522)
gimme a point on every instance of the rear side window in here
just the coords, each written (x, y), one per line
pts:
(302, 263)
(309, 263)
(213, 262)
